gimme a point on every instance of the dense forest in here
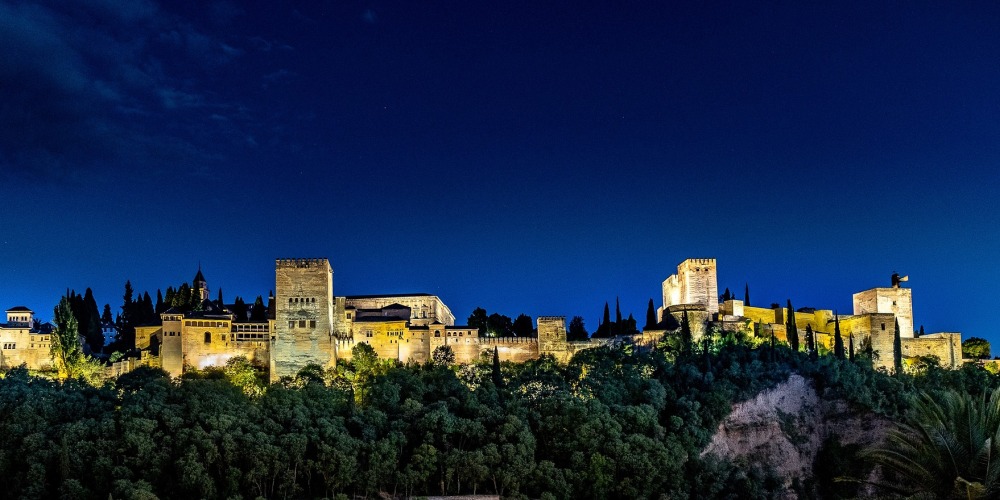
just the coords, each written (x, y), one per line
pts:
(621, 421)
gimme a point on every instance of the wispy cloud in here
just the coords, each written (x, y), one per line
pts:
(86, 86)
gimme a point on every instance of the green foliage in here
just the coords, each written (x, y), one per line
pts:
(975, 348)
(522, 326)
(618, 421)
(947, 446)
(577, 330)
(443, 355)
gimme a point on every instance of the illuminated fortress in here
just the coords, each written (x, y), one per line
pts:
(308, 324)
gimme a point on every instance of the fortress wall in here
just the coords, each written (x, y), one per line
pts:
(415, 347)
(947, 347)
(516, 349)
(697, 318)
(761, 315)
(303, 293)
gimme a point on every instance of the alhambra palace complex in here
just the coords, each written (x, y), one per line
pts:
(308, 324)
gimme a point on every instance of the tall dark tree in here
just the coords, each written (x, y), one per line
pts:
(160, 305)
(479, 319)
(148, 311)
(650, 316)
(106, 316)
(811, 342)
(577, 330)
(629, 326)
(500, 325)
(838, 339)
(258, 313)
(522, 326)
(240, 309)
(791, 331)
(169, 297)
(604, 327)
(746, 294)
(496, 375)
(897, 351)
(65, 345)
(127, 319)
(219, 301)
(850, 347)
(182, 299)
(686, 337)
(921, 331)
(727, 295)
(618, 327)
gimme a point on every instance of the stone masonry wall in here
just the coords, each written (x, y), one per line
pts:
(304, 319)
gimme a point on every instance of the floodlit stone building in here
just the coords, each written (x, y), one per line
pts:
(25, 341)
(872, 325)
(308, 324)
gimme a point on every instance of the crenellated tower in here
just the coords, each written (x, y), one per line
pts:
(304, 320)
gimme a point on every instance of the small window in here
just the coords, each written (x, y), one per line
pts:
(291, 324)
(302, 323)
(208, 338)
(437, 333)
(312, 324)
(883, 327)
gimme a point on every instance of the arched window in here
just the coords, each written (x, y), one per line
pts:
(208, 337)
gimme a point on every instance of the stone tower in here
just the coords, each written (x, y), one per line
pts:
(304, 322)
(895, 300)
(199, 284)
(694, 284)
(552, 337)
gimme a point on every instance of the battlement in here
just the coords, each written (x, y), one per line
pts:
(507, 340)
(707, 262)
(552, 318)
(300, 263)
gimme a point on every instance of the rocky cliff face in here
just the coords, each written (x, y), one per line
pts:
(785, 427)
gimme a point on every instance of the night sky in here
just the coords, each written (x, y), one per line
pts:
(526, 157)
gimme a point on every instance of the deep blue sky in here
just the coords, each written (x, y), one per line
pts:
(520, 156)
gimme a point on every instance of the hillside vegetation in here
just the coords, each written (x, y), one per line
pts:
(617, 421)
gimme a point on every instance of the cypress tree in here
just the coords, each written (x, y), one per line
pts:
(618, 329)
(497, 377)
(897, 351)
(222, 305)
(791, 331)
(746, 294)
(811, 342)
(921, 330)
(650, 316)
(148, 313)
(838, 340)
(607, 314)
(106, 315)
(160, 305)
(850, 352)
(685, 334)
